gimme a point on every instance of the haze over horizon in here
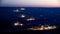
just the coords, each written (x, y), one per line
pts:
(31, 3)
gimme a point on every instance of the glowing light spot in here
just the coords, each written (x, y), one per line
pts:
(46, 28)
(22, 9)
(16, 10)
(41, 28)
(42, 25)
(18, 24)
(54, 27)
(21, 24)
(30, 19)
(49, 27)
(22, 16)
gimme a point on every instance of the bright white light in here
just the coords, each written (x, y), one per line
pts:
(49, 27)
(22, 16)
(21, 24)
(16, 24)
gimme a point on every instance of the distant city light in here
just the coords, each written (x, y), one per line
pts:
(46, 28)
(42, 25)
(49, 27)
(22, 16)
(21, 24)
(42, 28)
(18, 24)
(22, 9)
(30, 19)
(16, 10)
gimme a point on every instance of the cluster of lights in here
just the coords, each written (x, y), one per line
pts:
(23, 16)
(29, 19)
(43, 28)
(17, 10)
(18, 24)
